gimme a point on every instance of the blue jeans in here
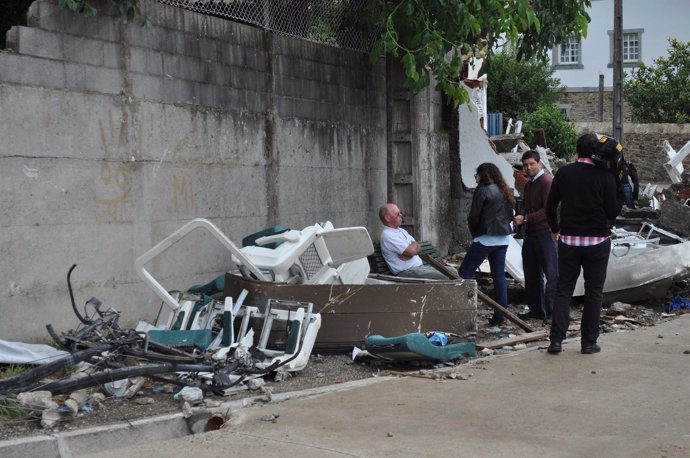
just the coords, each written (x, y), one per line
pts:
(540, 263)
(497, 261)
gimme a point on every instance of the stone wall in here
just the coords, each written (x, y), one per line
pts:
(643, 145)
(584, 106)
(115, 135)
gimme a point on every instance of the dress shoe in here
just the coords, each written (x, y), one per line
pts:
(493, 321)
(554, 347)
(590, 349)
(547, 321)
(530, 316)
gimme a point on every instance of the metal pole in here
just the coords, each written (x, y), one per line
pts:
(618, 70)
(601, 97)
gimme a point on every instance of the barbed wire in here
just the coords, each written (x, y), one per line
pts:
(330, 22)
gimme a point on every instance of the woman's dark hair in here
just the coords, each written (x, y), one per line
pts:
(488, 173)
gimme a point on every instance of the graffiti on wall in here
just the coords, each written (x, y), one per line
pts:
(183, 199)
(114, 186)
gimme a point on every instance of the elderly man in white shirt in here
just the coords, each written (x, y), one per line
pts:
(399, 248)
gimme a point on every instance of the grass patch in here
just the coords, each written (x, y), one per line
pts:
(10, 409)
(12, 370)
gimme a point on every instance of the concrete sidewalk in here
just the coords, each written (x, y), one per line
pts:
(631, 400)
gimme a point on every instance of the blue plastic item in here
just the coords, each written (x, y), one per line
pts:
(438, 338)
(678, 303)
(416, 346)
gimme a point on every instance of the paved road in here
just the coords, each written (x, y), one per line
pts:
(631, 400)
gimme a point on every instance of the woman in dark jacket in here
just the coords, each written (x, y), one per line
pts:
(489, 222)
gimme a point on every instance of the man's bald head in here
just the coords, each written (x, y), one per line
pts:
(390, 215)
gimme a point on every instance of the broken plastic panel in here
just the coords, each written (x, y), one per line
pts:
(317, 254)
(293, 322)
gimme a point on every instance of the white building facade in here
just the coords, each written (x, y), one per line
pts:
(647, 27)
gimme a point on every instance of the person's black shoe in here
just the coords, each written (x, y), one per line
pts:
(530, 316)
(547, 321)
(554, 347)
(590, 349)
(493, 321)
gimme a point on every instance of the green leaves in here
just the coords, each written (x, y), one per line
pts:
(519, 87)
(410, 67)
(128, 9)
(426, 36)
(78, 6)
(561, 135)
(661, 92)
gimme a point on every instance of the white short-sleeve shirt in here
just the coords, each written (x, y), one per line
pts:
(393, 243)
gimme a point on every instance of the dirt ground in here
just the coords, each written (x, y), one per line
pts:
(325, 370)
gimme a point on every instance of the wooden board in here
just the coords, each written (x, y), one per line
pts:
(350, 313)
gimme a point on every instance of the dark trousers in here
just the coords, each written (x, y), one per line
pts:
(476, 254)
(593, 261)
(540, 264)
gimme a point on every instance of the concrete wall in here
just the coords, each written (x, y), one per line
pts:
(114, 135)
(643, 146)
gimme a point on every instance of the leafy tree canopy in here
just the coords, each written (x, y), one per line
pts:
(560, 134)
(432, 37)
(519, 87)
(126, 8)
(661, 92)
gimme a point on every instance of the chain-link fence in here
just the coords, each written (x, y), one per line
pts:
(332, 22)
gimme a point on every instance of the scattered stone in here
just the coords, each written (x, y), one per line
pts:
(389, 434)
(137, 384)
(284, 375)
(507, 348)
(255, 383)
(72, 405)
(320, 375)
(619, 307)
(686, 352)
(268, 395)
(80, 396)
(36, 400)
(49, 418)
(659, 336)
(187, 410)
(594, 372)
(487, 352)
(144, 400)
(96, 398)
(270, 417)
(190, 394)
(456, 376)
(211, 403)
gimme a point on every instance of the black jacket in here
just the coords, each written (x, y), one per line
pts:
(491, 212)
(587, 196)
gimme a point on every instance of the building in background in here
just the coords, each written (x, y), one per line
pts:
(647, 26)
